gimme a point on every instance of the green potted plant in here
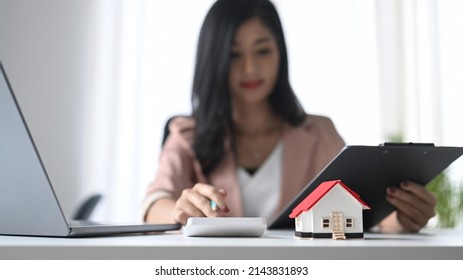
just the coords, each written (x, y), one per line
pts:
(449, 201)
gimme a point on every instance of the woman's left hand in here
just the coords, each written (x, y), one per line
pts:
(414, 205)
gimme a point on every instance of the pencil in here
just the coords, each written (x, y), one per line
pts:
(213, 206)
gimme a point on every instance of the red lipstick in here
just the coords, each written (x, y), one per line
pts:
(251, 84)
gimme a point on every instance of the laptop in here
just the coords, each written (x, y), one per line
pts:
(28, 203)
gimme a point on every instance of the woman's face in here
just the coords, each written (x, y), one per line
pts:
(254, 63)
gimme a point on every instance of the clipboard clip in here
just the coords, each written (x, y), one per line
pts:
(403, 144)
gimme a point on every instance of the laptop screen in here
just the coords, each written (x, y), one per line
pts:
(28, 204)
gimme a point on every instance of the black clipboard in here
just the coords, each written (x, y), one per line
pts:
(369, 170)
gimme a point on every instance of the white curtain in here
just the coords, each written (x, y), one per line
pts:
(112, 142)
(421, 71)
(377, 68)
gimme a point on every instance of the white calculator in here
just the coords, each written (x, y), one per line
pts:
(225, 226)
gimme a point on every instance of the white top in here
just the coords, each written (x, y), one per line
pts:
(261, 191)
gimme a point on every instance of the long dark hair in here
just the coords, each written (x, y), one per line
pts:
(211, 99)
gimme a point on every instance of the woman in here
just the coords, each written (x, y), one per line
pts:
(249, 146)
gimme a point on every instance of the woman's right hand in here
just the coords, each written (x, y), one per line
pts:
(196, 202)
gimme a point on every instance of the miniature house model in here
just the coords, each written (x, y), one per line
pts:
(332, 210)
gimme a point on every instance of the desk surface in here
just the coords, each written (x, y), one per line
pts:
(275, 244)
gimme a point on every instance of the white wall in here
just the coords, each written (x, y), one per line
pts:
(43, 46)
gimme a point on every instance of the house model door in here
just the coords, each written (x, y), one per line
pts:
(338, 225)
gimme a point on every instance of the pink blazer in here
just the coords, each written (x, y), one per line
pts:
(307, 148)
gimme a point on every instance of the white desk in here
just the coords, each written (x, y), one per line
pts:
(430, 244)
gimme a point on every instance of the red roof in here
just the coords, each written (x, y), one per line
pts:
(319, 193)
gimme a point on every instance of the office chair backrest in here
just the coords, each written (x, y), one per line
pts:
(86, 209)
(166, 128)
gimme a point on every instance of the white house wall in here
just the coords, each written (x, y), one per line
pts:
(307, 225)
(338, 199)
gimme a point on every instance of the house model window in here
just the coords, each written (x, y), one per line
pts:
(325, 222)
(349, 222)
